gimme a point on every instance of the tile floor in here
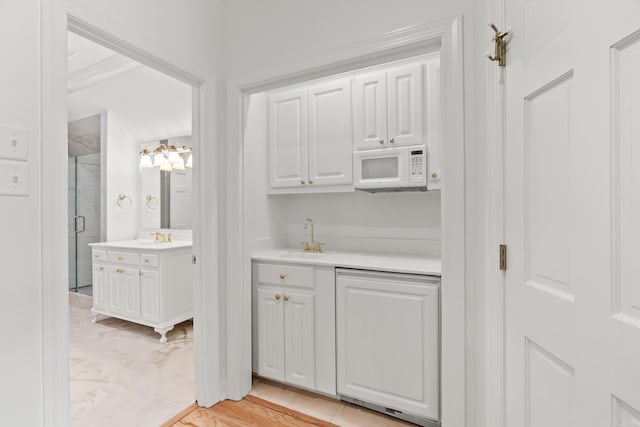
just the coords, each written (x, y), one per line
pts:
(121, 375)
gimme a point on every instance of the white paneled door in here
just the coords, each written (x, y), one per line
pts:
(572, 214)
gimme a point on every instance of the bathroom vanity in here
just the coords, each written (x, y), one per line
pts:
(143, 281)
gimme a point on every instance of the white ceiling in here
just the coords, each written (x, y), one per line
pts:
(148, 103)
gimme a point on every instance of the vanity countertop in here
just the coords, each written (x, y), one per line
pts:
(362, 260)
(142, 244)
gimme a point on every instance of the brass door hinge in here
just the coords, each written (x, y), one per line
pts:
(500, 54)
(503, 257)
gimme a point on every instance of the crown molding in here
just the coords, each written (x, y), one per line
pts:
(100, 71)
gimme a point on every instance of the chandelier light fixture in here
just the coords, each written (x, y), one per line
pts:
(167, 157)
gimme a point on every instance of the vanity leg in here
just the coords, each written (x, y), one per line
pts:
(94, 317)
(163, 333)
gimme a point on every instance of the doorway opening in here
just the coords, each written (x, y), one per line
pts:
(130, 151)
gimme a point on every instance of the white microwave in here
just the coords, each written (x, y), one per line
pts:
(391, 169)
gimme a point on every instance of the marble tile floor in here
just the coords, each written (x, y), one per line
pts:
(121, 375)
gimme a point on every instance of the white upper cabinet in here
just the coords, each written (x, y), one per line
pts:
(330, 136)
(370, 110)
(288, 138)
(405, 100)
(388, 108)
(435, 139)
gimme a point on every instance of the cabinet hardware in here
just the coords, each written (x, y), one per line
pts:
(500, 46)
(96, 256)
(310, 182)
(101, 269)
(434, 174)
(286, 298)
(278, 297)
(302, 181)
(503, 257)
(146, 260)
(283, 276)
(119, 258)
(381, 141)
(392, 140)
(141, 273)
(119, 270)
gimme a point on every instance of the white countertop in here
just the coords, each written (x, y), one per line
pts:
(142, 244)
(362, 260)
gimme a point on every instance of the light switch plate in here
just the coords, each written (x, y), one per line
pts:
(13, 143)
(14, 178)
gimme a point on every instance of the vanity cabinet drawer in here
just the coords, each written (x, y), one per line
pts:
(279, 274)
(147, 260)
(99, 255)
(123, 258)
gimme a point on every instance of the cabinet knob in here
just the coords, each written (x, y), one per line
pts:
(278, 297)
(381, 141)
(392, 140)
(283, 276)
(96, 256)
(101, 269)
(146, 260)
(119, 270)
(119, 258)
(434, 174)
(310, 182)
(302, 182)
(286, 298)
(141, 273)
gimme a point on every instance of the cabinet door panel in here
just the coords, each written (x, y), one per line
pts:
(330, 136)
(406, 120)
(149, 296)
(288, 138)
(370, 111)
(388, 341)
(115, 301)
(435, 148)
(299, 339)
(99, 286)
(131, 293)
(270, 334)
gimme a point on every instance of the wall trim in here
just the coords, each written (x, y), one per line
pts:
(446, 33)
(100, 71)
(56, 19)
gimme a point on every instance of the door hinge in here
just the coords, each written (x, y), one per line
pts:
(503, 257)
(193, 259)
(500, 54)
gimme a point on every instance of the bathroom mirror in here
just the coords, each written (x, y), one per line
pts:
(166, 196)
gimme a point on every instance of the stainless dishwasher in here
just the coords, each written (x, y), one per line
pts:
(388, 343)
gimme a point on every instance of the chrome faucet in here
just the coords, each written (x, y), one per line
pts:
(313, 246)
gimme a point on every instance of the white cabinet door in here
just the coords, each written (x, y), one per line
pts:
(288, 139)
(299, 338)
(270, 334)
(435, 140)
(99, 286)
(149, 296)
(405, 106)
(115, 302)
(330, 136)
(370, 111)
(131, 293)
(388, 340)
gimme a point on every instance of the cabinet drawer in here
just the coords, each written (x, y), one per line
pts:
(147, 260)
(123, 258)
(99, 255)
(289, 275)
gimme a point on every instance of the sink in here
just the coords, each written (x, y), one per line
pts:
(303, 255)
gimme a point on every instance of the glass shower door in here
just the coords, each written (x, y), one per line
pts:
(84, 219)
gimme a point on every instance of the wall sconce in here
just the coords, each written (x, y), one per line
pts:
(167, 158)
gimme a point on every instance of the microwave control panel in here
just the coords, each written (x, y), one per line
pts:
(417, 166)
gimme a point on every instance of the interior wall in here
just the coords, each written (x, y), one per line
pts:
(121, 175)
(20, 257)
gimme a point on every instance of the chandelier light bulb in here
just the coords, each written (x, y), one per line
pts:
(159, 159)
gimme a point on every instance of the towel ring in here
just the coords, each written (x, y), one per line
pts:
(152, 202)
(121, 198)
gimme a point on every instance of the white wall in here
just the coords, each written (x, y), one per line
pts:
(187, 34)
(122, 178)
(20, 231)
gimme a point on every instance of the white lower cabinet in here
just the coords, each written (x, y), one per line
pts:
(388, 345)
(149, 287)
(289, 342)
